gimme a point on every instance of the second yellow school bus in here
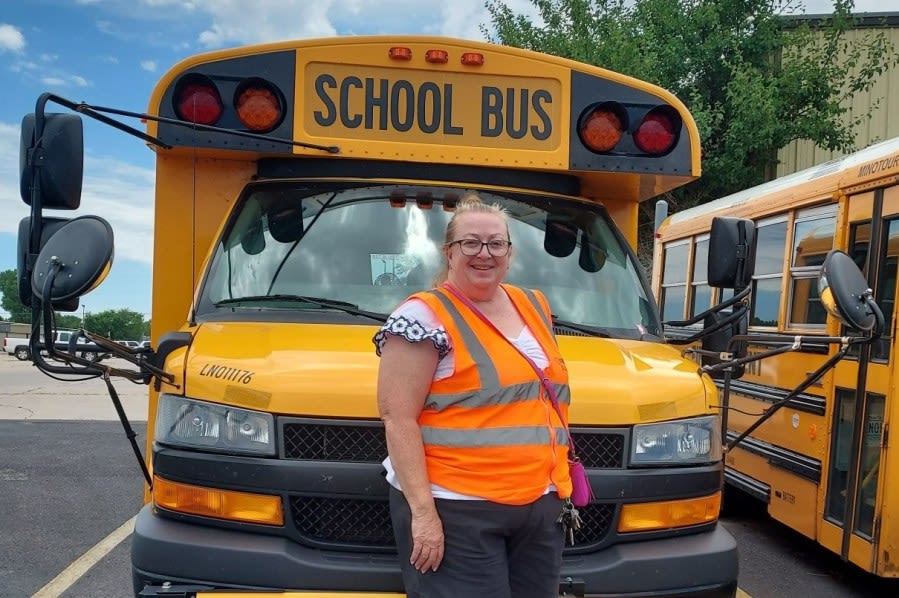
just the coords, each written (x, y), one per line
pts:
(823, 463)
(302, 192)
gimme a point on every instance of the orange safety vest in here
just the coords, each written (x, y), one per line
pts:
(490, 429)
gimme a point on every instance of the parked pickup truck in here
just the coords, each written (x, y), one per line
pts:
(18, 347)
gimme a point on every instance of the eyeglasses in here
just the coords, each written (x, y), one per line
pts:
(472, 247)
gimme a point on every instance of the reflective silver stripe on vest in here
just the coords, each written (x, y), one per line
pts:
(491, 437)
(563, 392)
(526, 391)
(489, 375)
(506, 395)
(536, 303)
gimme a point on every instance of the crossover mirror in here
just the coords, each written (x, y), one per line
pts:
(845, 293)
(74, 260)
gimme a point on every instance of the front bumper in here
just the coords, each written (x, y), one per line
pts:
(163, 550)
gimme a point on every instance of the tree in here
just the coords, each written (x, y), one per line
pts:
(9, 287)
(754, 79)
(67, 321)
(117, 324)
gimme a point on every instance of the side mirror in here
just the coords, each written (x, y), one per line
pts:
(59, 159)
(49, 226)
(731, 253)
(82, 250)
(845, 294)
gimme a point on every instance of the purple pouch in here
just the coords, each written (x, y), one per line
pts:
(581, 492)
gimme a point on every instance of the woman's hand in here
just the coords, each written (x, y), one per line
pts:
(427, 541)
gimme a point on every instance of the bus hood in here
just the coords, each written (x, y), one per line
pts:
(331, 371)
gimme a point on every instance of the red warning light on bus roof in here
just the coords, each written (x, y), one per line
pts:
(657, 132)
(198, 101)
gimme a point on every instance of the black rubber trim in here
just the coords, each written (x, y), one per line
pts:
(771, 394)
(280, 168)
(791, 461)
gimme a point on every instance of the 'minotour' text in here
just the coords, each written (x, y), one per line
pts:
(877, 166)
(402, 105)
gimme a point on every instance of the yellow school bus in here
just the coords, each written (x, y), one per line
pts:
(302, 192)
(822, 462)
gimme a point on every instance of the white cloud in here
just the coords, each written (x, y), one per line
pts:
(12, 209)
(64, 80)
(117, 191)
(148, 65)
(233, 23)
(230, 23)
(11, 39)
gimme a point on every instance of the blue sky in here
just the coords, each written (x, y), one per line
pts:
(111, 53)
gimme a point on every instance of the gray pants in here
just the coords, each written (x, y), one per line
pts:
(494, 550)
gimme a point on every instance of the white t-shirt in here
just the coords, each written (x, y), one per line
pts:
(415, 321)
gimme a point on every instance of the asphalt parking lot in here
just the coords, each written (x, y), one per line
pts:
(70, 487)
(69, 484)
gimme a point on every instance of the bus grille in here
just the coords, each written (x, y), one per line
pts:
(355, 523)
(329, 441)
(361, 442)
(342, 521)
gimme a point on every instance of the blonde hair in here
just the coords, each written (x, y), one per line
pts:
(469, 204)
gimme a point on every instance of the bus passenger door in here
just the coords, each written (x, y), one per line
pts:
(859, 409)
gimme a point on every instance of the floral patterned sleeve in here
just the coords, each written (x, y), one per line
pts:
(415, 322)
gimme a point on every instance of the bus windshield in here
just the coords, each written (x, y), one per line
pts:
(370, 247)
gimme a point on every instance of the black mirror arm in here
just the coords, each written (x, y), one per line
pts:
(810, 379)
(135, 357)
(724, 305)
(733, 317)
(879, 323)
(85, 367)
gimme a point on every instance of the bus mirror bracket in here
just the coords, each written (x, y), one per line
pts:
(845, 294)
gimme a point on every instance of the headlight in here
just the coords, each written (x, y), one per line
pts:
(210, 426)
(681, 442)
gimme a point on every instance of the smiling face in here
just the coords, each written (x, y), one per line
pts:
(478, 276)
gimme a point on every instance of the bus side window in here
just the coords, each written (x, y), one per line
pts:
(769, 259)
(813, 234)
(674, 281)
(701, 293)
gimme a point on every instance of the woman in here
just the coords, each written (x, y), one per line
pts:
(477, 451)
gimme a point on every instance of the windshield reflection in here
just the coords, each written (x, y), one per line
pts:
(373, 246)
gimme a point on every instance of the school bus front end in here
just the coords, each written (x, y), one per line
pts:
(278, 254)
(267, 470)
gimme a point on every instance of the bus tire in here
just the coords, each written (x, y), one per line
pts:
(22, 353)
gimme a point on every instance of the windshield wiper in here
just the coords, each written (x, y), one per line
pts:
(344, 306)
(589, 330)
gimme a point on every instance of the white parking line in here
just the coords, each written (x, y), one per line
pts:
(82, 564)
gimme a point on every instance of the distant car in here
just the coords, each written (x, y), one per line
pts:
(84, 348)
(145, 344)
(130, 344)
